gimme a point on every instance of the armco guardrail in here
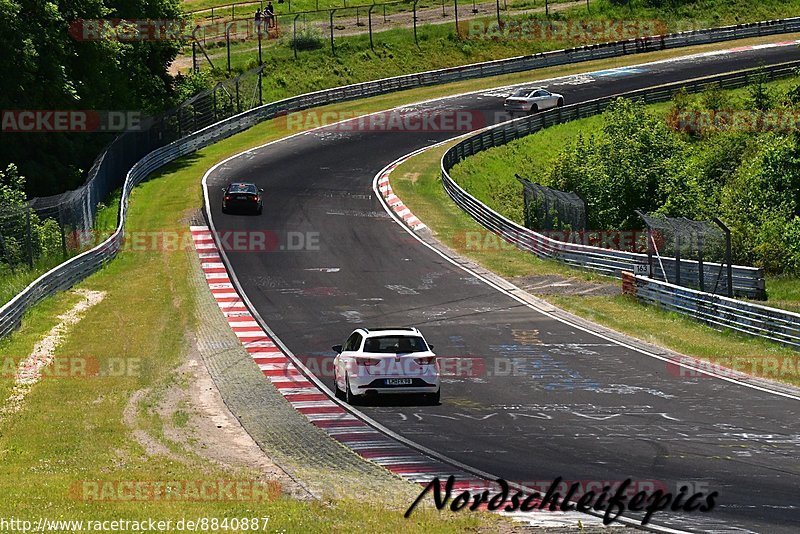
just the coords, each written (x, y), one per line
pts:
(747, 281)
(721, 312)
(79, 267)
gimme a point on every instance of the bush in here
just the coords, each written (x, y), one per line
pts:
(308, 38)
(45, 236)
(634, 164)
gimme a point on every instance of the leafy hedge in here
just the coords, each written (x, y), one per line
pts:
(712, 155)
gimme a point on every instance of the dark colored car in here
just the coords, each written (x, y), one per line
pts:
(241, 196)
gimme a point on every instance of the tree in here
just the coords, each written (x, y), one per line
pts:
(634, 164)
(19, 226)
(45, 68)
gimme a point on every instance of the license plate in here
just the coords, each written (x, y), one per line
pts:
(398, 381)
(241, 197)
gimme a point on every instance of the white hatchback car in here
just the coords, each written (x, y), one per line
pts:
(385, 361)
(531, 100)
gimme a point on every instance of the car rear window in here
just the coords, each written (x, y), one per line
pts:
(522, 92)
(393, 344)
(242, 188)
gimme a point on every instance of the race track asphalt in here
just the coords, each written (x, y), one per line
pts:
(547, 399)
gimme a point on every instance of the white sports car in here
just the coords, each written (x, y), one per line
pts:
(531, 100)
(385, 361)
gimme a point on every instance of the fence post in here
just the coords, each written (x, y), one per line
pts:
(677, 257)
(369, 21)
(294, 34)
(260, 62)
(236, 84)
(228, 44)
(700, 261)
(333, 47)
(455, 7)
(63, 233)
(416, 42)
(260, 94)
(30, 238)
(498, 13)
(728, 253)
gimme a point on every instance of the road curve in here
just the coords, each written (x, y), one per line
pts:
(576, 405)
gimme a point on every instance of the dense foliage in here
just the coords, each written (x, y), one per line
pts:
(713, 155)
(23, 235)
(46, 68)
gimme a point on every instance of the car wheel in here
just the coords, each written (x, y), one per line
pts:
(534, 109)
(338, 392)
(434, 398)
(224, 209)
(349, 396)
(560, 102)
(260, 210)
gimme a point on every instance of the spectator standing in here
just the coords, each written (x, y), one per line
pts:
(270, 12)
(258, 20)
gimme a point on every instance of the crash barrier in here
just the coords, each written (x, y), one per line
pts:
(717, 311)
(106, 169)
(747, 281)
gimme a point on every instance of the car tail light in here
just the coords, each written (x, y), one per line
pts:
(367, 362)
(227, 197)
(429, 360)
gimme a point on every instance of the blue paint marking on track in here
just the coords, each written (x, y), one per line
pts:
(532, 361)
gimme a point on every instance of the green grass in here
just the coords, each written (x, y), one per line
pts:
(418, 183)
(395, 52)
(14, 281)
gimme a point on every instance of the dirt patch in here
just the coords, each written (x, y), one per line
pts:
(410, 177)
(30, 369)
(196, 427)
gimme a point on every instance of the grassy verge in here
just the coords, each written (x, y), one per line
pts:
(418, 183)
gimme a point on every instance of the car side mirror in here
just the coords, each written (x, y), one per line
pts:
(337, 349)
(222, 189)
(430, 346)
(260, 190)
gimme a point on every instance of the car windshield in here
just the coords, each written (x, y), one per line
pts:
(242, 188)
(393, 344)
